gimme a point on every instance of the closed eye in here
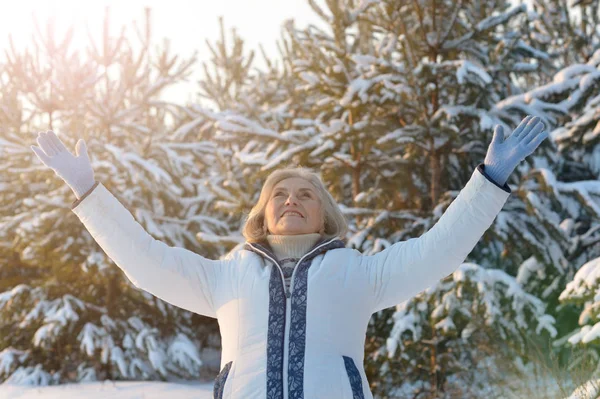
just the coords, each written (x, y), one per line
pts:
(305, 194)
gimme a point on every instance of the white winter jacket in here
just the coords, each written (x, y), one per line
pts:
(309, 342)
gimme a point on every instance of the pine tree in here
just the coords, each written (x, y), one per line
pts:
(395, 106)
(570, 192)
(567, 29)
(557, 222)
(66, 312)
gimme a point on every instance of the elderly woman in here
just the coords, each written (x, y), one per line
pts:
(294, 304)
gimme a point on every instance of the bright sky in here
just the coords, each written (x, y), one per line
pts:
(186, 23)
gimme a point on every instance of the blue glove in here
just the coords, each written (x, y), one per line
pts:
(503, 156)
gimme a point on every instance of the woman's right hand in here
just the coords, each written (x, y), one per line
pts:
(76, 170)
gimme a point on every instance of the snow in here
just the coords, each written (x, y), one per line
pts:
(495, 20)
(364, 4)
(250, 135)
(528, 268)
(357, 86)
(525, 66)
(327, 145)
(401, 135)
(128, 158)
(8, 295)
(572, 71)
(405, 319)
(32, 376)
(585, 279)
(590, 389)
(586, 334)
(8, 356)
(502, 298)
(183, 352)
(184, 129)
(240, 124)
(109, 389)
(310, 78)
(289, 153)
(466, 67)
(303, 122)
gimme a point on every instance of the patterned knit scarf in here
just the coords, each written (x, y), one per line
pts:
(289, 249)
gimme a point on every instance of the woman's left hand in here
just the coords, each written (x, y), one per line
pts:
(503, 156)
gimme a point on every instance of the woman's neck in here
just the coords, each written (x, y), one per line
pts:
(292, 246)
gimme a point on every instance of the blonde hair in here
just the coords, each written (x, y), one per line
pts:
(335, 221)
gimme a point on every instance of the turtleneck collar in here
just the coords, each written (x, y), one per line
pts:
(292, 246)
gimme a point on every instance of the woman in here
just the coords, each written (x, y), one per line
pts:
(294, 304)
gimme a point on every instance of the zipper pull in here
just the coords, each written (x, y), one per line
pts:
(287, 293)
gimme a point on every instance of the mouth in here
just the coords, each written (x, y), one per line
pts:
(292, 213)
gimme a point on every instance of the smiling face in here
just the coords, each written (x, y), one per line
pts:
(293, 208)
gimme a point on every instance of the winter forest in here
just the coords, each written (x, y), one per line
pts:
(394, 105)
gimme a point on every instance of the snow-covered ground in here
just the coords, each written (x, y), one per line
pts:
(109, 389)
(172, 390)
(536, 386)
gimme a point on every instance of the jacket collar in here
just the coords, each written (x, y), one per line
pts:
(321, 246)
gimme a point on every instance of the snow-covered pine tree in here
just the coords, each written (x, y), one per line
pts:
(230, 94)
(567, 30)
(567, 196)
(66, 312)
(252, 113)
(489, 40)
(394, 107)
(554, 232)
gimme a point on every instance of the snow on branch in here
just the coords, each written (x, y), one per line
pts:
(495, 20)
(493, 295)
(240, 124)
(127, 159)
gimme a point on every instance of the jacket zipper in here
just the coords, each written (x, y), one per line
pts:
(286, 334)
(286, 323)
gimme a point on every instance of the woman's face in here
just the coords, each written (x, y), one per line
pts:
(298, 195)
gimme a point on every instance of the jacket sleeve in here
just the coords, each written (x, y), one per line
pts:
(176, 275)
(406, 268)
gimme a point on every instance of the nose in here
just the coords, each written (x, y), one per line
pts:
(289, 199)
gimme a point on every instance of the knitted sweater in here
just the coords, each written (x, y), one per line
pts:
(289, 249)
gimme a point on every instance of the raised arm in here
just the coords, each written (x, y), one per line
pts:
(408, 267)
(176, 275)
